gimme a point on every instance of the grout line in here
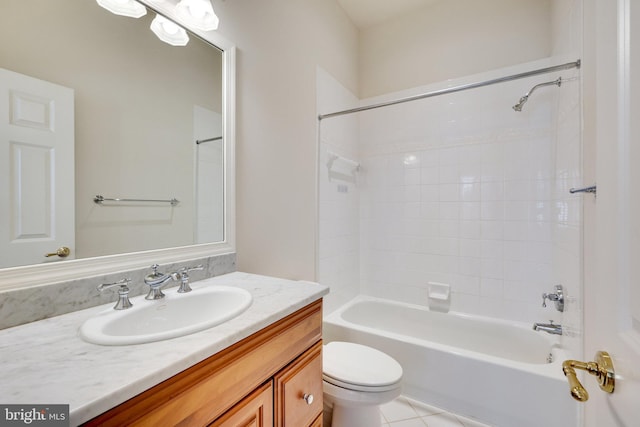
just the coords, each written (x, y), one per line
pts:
(433, 411)
(420, 406)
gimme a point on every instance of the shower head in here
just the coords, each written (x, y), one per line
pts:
(518, 106)
(525, 98)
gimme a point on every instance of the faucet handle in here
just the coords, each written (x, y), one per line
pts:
(188, 269)
(123, 292)
(183, 275)
(155, 268)
(557, 297)
(123, 283)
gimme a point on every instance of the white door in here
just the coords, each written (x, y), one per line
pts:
(36, 170)
(612, 227)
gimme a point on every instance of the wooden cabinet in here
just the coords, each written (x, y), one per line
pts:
(255, 410)
(317, 422)
(298, 393)
(260, 381)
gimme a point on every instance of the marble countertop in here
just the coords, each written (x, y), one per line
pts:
(46, 362)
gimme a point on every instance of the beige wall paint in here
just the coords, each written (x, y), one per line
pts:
(450, 39)
(280, 43)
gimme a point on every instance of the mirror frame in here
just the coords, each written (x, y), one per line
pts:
(42, 274)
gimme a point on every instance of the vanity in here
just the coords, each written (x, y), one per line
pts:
(262, 368)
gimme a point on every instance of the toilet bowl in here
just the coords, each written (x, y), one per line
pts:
(356, 380)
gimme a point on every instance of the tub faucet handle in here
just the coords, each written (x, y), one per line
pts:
(557, 297)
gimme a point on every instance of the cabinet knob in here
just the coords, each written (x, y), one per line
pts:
(308, 398)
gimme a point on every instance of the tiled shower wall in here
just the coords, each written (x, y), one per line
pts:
(458, 189)
(567, 218)
(567, 227)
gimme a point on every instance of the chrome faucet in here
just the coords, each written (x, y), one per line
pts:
(557, 297)
(550, 328)
(156, 281)
(123, 293)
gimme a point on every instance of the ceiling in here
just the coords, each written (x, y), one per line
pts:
(365, 13)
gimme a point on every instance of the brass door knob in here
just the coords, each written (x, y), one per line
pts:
(602, 368)
(62, 252)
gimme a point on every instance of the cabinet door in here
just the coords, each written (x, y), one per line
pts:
(298, 390)
(255, 410)
(317, 422)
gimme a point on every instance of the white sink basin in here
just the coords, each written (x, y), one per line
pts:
(173, 316)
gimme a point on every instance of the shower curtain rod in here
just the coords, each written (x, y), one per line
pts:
(453, 89)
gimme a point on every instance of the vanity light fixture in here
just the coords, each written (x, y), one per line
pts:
(169, 32)
(198, 14)
(129, 8)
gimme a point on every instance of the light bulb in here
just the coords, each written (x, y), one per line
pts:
(169, 32)
(130, 8)
(170, 27)
(197, 14)
(197, 9)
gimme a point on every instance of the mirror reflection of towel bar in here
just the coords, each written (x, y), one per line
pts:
(99, 199)
(201, 141)
(590, 189)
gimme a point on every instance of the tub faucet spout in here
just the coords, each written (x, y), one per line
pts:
(550, 328)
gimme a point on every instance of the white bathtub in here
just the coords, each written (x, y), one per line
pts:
(493, 371)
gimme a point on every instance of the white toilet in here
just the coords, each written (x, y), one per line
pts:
(356, 380)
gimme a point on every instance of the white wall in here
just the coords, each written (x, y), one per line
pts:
(452, 38)
(280, 44)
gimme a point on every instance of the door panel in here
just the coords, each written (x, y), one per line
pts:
(36, 169)
(612, 293)
(255, 410)
(30, 183)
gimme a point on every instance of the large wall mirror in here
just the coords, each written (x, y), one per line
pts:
(115, 144)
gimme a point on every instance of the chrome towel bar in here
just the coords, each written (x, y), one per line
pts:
(590, 189)
(99, 199)
(202, 141)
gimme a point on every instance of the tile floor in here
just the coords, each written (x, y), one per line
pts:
(404, 412)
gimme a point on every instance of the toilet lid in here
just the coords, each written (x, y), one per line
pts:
(349, 363)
